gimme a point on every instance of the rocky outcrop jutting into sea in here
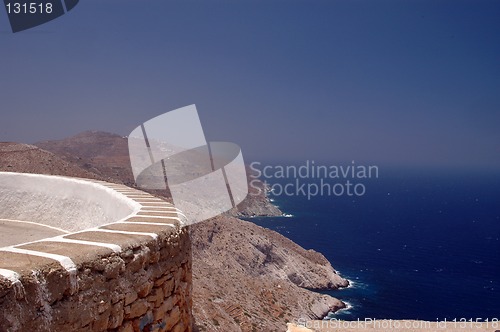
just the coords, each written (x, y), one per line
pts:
(249, 277)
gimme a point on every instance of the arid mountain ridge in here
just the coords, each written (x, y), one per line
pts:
(107, 156)
(245, 277)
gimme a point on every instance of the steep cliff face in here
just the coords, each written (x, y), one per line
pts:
(260, 251)
(257, 202)
(245, 277)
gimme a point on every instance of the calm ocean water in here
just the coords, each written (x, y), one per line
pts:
(415, 246)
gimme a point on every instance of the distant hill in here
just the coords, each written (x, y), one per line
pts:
(25, 158)
(98, 152)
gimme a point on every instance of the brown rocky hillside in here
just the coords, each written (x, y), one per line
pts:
(98, 152)
(25, 158)
(248, 278)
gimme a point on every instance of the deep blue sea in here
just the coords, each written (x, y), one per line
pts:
(417, 245)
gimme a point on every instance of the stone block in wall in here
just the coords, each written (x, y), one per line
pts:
(173, 318)
(127, 327)
(156, 297)
(144, 289)
(116, 315)
(130, 297)
(168, 287)
(136, 309)
(101, 322)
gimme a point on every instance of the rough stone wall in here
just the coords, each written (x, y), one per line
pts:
(143, 288)
(131, 275)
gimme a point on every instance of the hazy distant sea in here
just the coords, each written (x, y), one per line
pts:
(418, 245)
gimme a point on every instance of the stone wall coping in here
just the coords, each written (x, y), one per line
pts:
(151, 218)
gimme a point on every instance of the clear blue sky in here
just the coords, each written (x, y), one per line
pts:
(385, 82)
